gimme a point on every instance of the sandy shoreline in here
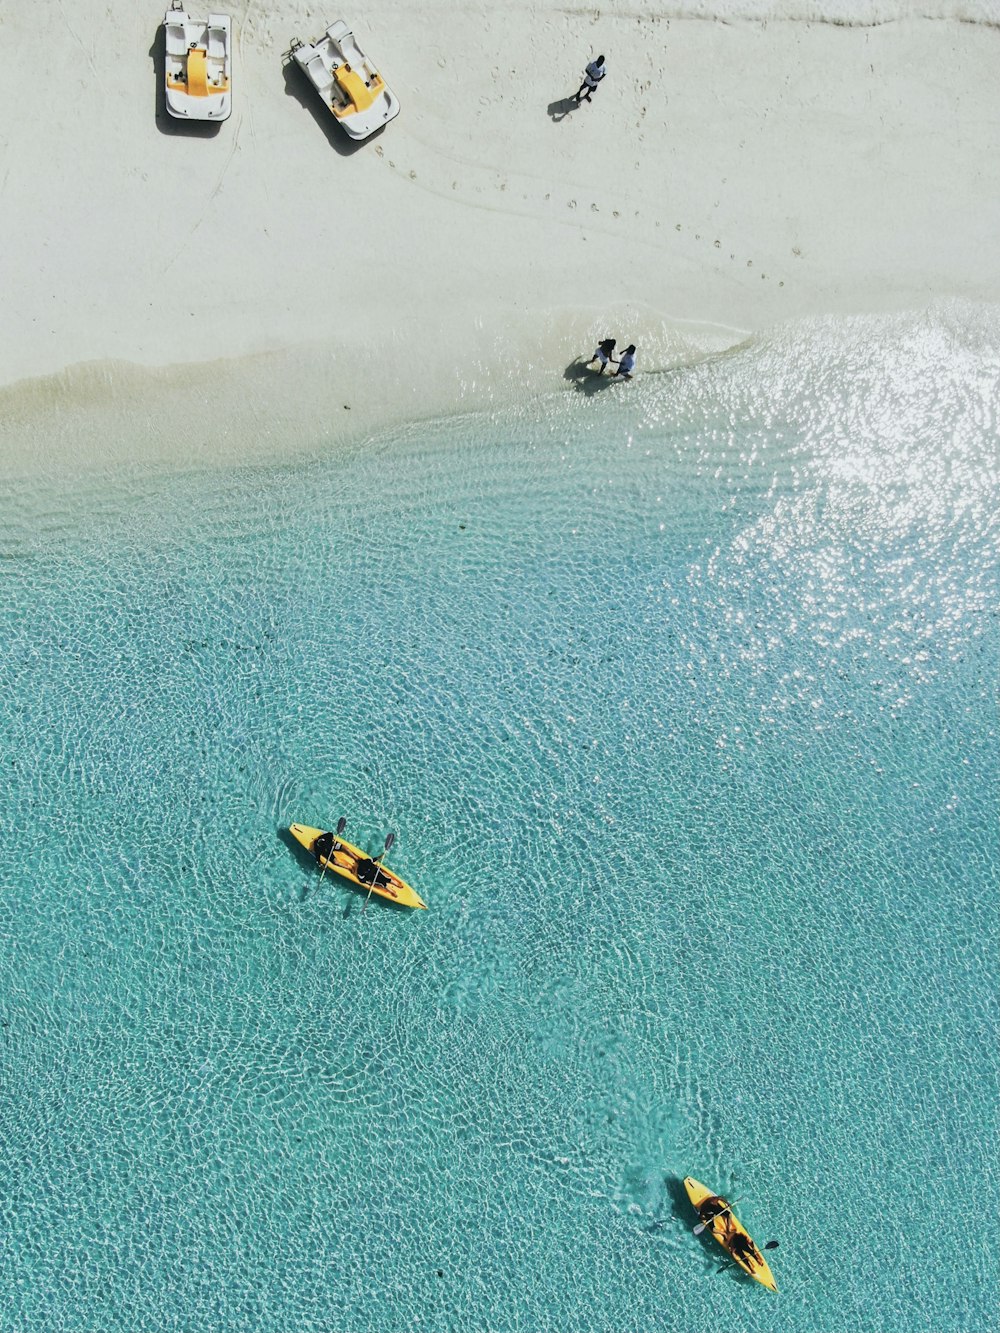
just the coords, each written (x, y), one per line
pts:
(728, 176)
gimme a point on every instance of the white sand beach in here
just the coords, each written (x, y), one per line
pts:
(730, 174)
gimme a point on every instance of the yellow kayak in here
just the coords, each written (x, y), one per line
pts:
(356, 866)
(731, 1235)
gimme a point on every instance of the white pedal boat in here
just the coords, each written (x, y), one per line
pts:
(347, 81)
(198, 65)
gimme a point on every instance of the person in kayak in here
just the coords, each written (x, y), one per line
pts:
(325, 846)
(714, 1206)
(741, 1247)
(370, 872)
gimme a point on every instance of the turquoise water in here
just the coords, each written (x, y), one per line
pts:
(680, 699)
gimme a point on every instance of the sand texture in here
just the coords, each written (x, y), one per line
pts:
(728, 175)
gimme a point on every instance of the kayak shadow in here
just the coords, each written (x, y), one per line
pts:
(680, 1204)
(667, 1205)
(680, 1209)
(304, 858)
(307, 862)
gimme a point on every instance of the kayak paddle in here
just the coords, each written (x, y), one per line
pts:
(341, 825)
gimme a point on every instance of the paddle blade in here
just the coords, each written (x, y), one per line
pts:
(390, 839)
(771, 1245)
(341, 824)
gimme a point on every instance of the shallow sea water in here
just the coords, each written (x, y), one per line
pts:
(680, 699)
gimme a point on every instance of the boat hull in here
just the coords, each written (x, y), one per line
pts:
(725, 1229)
(343, 860)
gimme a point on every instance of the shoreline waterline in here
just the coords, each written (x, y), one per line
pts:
(312, 400)
(301, 399)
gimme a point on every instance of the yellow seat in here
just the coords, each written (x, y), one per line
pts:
(197, 72)
(354, 88)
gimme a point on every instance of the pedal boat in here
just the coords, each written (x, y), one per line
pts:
(198, 65)
(347, 81)
(356, 866)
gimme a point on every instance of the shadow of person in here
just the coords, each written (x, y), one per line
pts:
(577, 370)
(561, 109)
(297, 85)
(586, 380)
(594, 383)
(165, 122)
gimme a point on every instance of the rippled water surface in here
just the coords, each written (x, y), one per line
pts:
(680, 698)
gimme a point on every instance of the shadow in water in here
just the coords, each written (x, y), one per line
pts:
(675, 1212)
(304, 857)
(306, 861)
(670, 1208)
(680, 1204)
(584, 379)
(165, 122)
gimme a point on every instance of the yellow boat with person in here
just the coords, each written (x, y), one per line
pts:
(356, 866)
(716, 1213)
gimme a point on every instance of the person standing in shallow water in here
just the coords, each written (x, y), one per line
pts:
(603, 354)
(627, 363)
(592, 76)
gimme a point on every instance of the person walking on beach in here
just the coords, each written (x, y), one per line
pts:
(592, 76)
(627, 363)
(603, 353)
